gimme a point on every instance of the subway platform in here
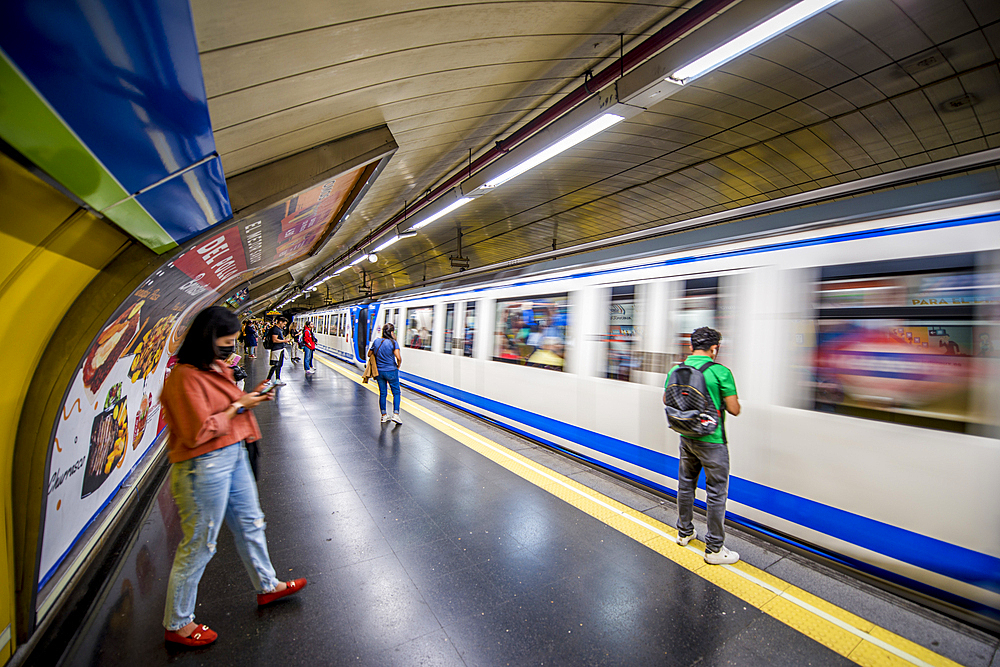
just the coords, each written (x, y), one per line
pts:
(448, 541)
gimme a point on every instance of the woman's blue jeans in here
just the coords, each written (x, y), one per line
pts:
(208, 489)
(307, 358)
(390, 378)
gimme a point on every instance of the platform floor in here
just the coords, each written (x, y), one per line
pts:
(447, 541)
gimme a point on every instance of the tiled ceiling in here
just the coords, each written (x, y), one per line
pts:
(866, 88)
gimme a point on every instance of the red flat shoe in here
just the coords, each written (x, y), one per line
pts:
(293, 587)
(202, 636)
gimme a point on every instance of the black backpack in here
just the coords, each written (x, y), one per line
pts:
(689, 406)
(268, 343)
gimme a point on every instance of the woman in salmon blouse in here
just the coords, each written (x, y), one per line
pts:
(210, 422)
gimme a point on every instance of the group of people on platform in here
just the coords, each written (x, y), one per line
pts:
(277, 336)
(211, 425)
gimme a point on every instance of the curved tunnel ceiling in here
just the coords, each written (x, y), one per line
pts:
(867, 87)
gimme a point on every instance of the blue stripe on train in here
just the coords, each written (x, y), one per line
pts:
(950, 560)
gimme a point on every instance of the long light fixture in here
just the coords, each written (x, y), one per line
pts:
(443, 212)
(387, 243)
(360, 259)
(342, 269)
(751, 38)
(602, 122)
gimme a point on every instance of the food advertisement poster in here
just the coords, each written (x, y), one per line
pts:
(111, 414)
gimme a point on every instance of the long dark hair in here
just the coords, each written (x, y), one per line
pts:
(199, 348)
(388, 330)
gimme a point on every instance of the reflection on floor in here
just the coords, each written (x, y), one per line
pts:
(419, 551)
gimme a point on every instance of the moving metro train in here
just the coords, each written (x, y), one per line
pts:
(866, 355)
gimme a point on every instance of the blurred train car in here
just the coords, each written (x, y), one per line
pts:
(865, 354)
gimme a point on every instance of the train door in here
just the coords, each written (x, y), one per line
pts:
(361, 335)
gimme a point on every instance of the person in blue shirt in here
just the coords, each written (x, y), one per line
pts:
(387, 360)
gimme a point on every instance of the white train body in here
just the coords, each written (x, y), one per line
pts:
(823, 455)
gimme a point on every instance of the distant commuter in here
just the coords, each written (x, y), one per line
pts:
(276, 337)
(250, 339)
(308, 347)
(210, 476)
(387, 361)
(709, 451)
(293, 341)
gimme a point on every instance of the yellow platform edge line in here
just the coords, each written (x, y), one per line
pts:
(849, 635)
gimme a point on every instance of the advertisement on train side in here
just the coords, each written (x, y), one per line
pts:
(111, 414)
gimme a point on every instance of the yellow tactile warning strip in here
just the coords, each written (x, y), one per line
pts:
(851, 636)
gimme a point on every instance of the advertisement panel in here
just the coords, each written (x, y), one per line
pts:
(111, 415)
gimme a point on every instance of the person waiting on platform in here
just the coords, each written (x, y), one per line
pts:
(210, 422)
(308, 347)
(276, 336)
(293, 341)
(250, 339)
(387, 360)
(709, 452)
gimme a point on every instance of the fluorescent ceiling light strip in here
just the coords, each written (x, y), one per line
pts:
(359, 260)
(440, 214)
(751, 38)
(602, 122)
(341, 270)
(387, 244)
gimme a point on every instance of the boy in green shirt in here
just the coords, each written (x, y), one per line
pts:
(709, 452)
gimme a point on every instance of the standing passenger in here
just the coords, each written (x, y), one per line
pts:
(251, 340)
(276, 334)
(388, 360)
(710, 452)
(309, 347)
(210, 476)
(293, 338)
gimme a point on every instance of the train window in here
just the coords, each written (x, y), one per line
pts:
(419, 327)
(697, 307)
(622, 359)
(899, 342)
(532, 331)
(469, 329)
(449, 328)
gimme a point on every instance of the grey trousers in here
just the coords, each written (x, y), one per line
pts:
(714, 459)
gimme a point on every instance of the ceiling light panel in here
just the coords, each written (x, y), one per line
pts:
(751, 38)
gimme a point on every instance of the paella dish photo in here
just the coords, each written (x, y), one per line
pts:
(150, 349)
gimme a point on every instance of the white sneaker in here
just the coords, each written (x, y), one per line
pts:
(683, 541)
(723, 557)
(280, 383)
(385, 418)
(396, 418)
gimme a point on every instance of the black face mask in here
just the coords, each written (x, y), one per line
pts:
(226, 350)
